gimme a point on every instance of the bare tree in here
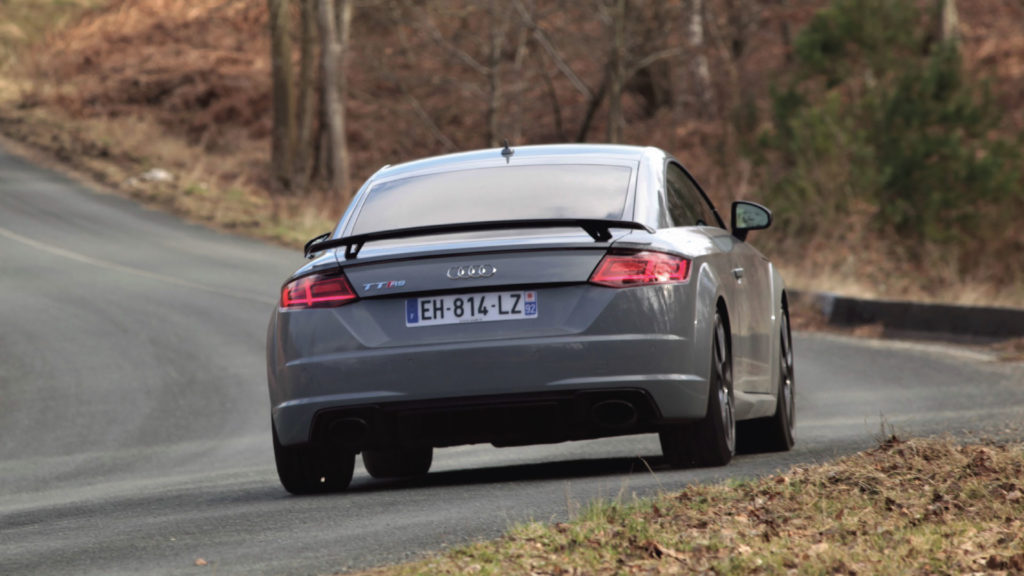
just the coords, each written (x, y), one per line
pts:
(283, 132)
(729, 24)
(949, 21)
(499, 16)
(698, 52)
(407, 53)
(334, 21)
(344, 12)
(519, 86)
(784, 32)
(616, 70)
(305, 144)
(592, 97)
(499, 23)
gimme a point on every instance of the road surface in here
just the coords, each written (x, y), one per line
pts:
(134, 418)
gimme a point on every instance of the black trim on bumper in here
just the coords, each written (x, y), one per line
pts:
(506, 420)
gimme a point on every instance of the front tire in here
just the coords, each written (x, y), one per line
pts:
(775, 433)
(398, 462)
(711, 441)
(311, 469)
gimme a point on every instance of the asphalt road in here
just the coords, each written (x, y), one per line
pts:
(134, 419)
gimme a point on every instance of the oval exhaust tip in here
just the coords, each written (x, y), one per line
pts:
(614, 414)
(349, 431)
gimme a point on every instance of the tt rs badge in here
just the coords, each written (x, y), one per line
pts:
(383, 285)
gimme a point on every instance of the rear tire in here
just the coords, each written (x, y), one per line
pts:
(711, 441)
(775, 433)
(398, 462)
(311, 469)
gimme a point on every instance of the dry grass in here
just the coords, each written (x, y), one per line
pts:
(25, 22)
(212, 188)
(1010, 350)
(918, 507)
(967, 291)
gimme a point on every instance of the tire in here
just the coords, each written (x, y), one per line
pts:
(309, 469)
(398, 462)
(712, 440)
(775, 433)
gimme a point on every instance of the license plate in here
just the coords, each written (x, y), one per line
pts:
(465, 308)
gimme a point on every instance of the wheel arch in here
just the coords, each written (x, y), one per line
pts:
(723, 310)
(710, 298)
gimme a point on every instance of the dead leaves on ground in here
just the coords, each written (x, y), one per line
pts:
(920, 506)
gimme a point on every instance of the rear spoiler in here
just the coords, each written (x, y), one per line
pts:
(599, 230)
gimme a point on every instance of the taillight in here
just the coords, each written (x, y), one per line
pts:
(640, 269)
(317, 291)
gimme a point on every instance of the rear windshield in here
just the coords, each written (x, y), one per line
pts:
(499, 193)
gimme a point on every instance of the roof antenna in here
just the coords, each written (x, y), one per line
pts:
(507, 152)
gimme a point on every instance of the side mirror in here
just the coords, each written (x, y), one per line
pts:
(747, 216)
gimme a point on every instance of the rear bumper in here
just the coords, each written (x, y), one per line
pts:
(524, 387)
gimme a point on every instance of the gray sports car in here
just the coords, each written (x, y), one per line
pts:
(522, 296)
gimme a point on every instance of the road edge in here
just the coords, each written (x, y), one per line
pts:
(915, 319)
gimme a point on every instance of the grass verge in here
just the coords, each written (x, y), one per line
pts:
(925, 506)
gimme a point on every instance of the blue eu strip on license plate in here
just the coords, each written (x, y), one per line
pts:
(465, 308)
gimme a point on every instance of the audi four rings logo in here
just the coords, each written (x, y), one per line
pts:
(465, 272)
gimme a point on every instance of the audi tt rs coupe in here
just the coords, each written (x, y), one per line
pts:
(531, 295)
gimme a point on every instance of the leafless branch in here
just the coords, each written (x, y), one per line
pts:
(439, 39)
(549, 47)
(655, 57)
(414, 102)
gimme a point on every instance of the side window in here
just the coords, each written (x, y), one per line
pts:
(683, 203)
(686, 202)
(707, 212)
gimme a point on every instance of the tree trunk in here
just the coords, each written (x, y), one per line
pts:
(345, 11)
(701, 71)
(592, 105)
(740, 14)
(333, 107)
(949, 21)
(617, 69)
(498, 29)
(283, 131)
(556, 107)
(784, 32)
(305, 143)
(516, 114)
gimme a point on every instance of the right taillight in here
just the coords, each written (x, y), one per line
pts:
(640, 269)
(317, 291)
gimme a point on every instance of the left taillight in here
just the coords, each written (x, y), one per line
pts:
(317, 291)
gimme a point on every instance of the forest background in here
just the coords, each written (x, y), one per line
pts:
(886, 135)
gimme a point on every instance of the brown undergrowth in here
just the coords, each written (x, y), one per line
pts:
(924, 506)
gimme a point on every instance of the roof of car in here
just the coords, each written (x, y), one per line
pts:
(591, 152)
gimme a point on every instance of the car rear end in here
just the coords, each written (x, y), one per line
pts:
(504, 336)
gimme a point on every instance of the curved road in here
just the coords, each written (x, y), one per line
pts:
(134, 419)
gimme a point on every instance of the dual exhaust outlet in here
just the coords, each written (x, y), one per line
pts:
(612, 414)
